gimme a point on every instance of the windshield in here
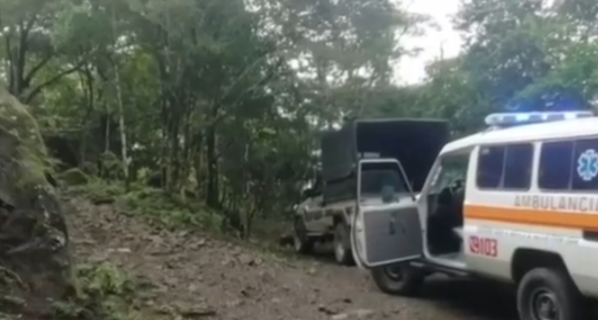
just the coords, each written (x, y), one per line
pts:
(374, 181)
(382, 180)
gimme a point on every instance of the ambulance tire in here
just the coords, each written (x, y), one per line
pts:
(342, 245)
(301, 242)
(401, 280)
(544, 292)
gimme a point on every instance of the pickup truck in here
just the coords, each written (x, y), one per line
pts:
(325, 212)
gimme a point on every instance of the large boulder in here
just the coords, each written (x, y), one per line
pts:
(33, 234)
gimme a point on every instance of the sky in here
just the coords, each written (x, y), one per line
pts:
(411, 70)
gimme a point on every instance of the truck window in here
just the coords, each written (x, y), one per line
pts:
(372, 181)
(505, 167)
(556, 160)
(376, 176)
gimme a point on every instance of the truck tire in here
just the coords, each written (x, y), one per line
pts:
(342, 245)
(547, 294)
(301, 242)
(401, 279)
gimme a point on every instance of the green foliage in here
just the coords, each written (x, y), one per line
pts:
(154, 204)
(98, 191)
(74, 177)
(103, 292)
(110, 166)
(169, 210)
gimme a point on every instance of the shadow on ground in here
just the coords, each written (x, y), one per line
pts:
(478, 298)
(481, 299)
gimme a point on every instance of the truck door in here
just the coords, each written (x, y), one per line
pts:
(386, 228)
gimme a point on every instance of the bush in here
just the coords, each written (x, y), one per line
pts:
(102, 292)
(74, 177)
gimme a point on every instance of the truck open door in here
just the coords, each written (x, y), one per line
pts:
(387, 231)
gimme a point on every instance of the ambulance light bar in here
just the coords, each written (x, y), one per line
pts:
(521, 118)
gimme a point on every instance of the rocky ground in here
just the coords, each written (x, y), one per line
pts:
(207, 278)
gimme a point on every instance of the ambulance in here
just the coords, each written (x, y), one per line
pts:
(517, 203)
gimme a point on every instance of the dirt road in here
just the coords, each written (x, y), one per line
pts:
(237, 282)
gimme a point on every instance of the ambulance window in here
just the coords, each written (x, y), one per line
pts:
(490, 167)
(555, 165)
(585, 165)
(518, 166)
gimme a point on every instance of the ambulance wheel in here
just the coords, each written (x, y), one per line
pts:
(546, 294)
(342, 245)
(301, 242)
(401, 279)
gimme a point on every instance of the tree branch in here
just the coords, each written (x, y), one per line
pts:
(229, 90)
(36, 69)
(51, 81)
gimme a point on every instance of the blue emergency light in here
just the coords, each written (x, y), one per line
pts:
(521, 118)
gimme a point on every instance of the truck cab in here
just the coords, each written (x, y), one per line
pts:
(515, 203)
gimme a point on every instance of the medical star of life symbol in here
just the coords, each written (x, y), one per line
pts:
(587, 165)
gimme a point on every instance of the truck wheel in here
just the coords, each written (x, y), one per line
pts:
(546, 294)
(342, 245)
(301, 242)
(400, 279)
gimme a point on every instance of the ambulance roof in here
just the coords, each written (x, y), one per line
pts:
(565, 129)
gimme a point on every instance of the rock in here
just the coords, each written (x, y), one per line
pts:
(195, 311)
(234, 303)
(246, 259)
(311, 271)
(363, 313)
(266, 276)
(227, 261)
(340, 316)
(327, 310)
(120, 250)
(171, 282)
(198, 244)
(33, 231)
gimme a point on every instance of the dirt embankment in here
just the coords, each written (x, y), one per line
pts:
(207, 278)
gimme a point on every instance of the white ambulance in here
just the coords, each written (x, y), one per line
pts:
(517, 203)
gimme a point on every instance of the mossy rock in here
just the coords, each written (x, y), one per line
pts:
(35, 242)
(74, 177)
(23, 150)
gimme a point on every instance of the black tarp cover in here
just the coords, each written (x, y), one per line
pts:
(414, 142)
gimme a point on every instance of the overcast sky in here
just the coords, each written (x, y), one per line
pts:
(411, 69)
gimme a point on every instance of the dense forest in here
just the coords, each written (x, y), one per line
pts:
(220, 102)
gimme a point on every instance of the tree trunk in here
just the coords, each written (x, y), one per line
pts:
(121, 115)
(213, 191)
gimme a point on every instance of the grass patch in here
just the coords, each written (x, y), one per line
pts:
(102, 292)
(174, 213)
(154, 204)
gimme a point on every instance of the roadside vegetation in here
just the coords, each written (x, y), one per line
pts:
(204, 115)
